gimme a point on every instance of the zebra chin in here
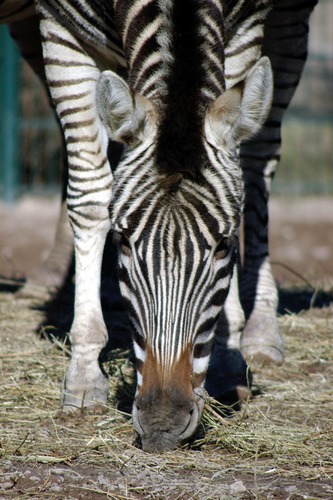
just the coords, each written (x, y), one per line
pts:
(165, 421)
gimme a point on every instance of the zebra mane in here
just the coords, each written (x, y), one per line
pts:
(190, 48)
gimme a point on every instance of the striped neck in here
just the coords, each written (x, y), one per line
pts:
(176, 58)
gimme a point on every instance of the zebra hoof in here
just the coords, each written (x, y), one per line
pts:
(261, 342)
(95, 402)
(96, 409)
(262, 355)
(228, 378)
(85, 386)
(243, 393)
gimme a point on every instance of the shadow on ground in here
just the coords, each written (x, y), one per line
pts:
(297, 299)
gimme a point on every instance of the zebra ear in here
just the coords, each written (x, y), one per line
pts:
(240, 111)
(256, 100)
(122, 112)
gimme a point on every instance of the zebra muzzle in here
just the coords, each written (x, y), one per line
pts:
(164, 422)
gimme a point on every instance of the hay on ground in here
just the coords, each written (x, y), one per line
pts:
(284, 432)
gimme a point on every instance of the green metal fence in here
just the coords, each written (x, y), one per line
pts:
(307, 133)
(30, 141)
(9, 140)
(30, 153)
(40, 140)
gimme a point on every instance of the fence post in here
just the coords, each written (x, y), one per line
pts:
(9, 119)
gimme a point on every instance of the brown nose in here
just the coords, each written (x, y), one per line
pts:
(163, 418)
(165, 410)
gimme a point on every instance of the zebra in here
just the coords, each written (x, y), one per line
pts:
(182, 85)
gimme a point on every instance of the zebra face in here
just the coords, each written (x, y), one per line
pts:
(174, 281)
(177, 245)
(177, 239)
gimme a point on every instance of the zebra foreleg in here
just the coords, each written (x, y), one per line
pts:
(72, 78)
(261, 339)
(85, 384)
(285, 43)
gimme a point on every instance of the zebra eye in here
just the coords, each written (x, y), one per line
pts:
(222, 248)
(123, 243)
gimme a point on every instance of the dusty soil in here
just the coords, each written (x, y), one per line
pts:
(279, 446)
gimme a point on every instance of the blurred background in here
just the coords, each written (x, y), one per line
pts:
(30, 150)
(30, 162)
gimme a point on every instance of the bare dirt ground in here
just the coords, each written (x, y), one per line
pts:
(278, 446)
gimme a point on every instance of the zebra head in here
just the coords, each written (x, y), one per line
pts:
(177, 234)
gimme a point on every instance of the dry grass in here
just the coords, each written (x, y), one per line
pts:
(280, 439)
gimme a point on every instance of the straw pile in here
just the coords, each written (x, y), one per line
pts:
(280, 445)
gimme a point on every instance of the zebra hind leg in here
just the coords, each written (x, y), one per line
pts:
(260, 340)
(50, 275)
